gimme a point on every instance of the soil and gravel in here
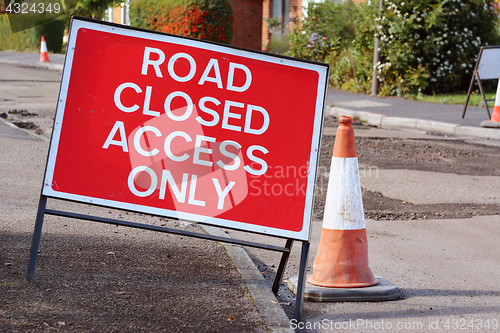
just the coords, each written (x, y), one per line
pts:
(435, 155)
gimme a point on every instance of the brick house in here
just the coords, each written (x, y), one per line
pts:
(250, 28)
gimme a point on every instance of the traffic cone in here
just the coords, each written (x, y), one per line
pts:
(44, 56)
(342, 257)
(496, 112)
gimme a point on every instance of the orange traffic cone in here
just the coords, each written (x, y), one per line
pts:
(496, 112)
(44, 56)
(342, 257)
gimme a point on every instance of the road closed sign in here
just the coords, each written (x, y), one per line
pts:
(187, 129)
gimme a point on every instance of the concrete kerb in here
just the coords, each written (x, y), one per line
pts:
(46, 65)
(385, 122)
(437, 126)
(268, 306)
(487, 133)
(398, 122)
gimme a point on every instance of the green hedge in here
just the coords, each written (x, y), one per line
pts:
(204, 19)
(432, 45)
(30, 39)
(427, 46)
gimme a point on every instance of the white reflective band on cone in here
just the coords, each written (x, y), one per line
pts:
(344, 204)
(497, 98)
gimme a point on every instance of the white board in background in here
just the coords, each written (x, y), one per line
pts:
(488, 67)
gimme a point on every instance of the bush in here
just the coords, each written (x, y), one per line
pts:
(278, 43)
(30, 39)
(431, 45)
(20, 41)
(204, 19)
(278, 36)
(426, 45)
(341, 35)
(53, 32)
(88, 8)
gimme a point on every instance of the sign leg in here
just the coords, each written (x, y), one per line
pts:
(484, 97)
(281, 267)
(37, 233)
(301, 281)
(468, 94)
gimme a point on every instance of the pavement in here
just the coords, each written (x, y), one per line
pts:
(436, 271)
(56, 62)
(398, 113)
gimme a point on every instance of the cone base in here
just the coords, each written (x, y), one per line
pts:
(383, 291)
(342, 285)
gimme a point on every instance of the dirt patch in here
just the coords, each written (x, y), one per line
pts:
(28, 126)
(25, 119)
(435, 155)
(449, 156)
(378, 207)
(24, 113)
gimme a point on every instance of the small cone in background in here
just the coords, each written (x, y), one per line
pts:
(496, 112)
(44, 55)
(342, 257)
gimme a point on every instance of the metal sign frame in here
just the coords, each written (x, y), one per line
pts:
(487, 68)
(285, 250)
(290, 237)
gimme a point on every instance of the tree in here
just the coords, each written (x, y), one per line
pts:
(89, 8)
(436, 38)
(426, 46)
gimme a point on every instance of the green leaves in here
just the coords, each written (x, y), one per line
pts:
(341, 35)
(438, 39)
(204, 19)
(427, 46)
(89, 8)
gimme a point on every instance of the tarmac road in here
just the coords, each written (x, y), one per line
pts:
(447, 270)
(28, 88)
(34, 90)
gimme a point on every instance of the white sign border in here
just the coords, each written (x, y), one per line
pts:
(79, 23)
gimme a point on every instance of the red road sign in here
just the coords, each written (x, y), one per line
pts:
(183, 128)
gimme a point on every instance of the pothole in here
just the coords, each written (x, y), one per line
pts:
(24, 113)
(28, 126)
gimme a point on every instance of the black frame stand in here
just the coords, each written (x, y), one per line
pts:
(42, 210)
(476, 77)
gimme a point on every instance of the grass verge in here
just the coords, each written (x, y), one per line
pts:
(475, 98)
